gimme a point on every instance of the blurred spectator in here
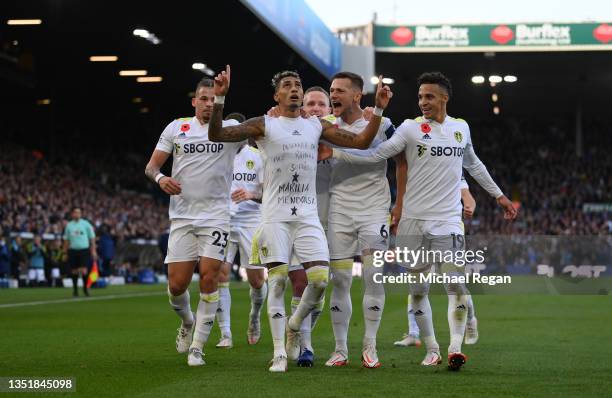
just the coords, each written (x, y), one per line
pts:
(36, 254)
(106, 251)
(55, 263)
(162, 244)
(17, 256)
(5, 259)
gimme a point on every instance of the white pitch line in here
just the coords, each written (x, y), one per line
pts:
(79, 300)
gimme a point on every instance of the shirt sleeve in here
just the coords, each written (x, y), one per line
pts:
(479, 171)
(90, 231)
(166, 140)
(66, 234)
(389, 128)
(463, 183)
(383, 151)
(229, 122)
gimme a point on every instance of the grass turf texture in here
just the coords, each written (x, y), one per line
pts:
(530, 345)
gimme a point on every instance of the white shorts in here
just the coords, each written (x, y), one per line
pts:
(275, 241)
(349, 235)
(190, 239)
(442, 236)
(294, 265)
(241, 241)
(36, 274)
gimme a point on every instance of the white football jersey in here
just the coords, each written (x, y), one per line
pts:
(202, 167)
(436, 155)
(289, 151)
(248, 175)
(324, 169)
(355, 187)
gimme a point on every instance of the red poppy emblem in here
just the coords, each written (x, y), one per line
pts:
(425, 128)
(185, 127)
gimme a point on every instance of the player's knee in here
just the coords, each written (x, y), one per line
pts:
(209, 281)
(277, 280)
(318, 276)
(456, 289)
(256, 283)
(176, 288)
(342, 281)
(299, 284)
(322, 284)
(416, 299)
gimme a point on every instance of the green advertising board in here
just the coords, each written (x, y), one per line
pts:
(510, 37)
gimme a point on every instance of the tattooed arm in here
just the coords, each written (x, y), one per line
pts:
(254, 127)
(339, 137)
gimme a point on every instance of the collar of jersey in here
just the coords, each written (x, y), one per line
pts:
(430, 121)
(349, 125)
(196, 122)
(289, 118)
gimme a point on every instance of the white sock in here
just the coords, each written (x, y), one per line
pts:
(340, 304)
(277, 282)
(305, 336)
(205, 318)
(258, 296)
(223, 312)
(413, 328)
(423, 316)
(316, 313)
(318, 276)
(181, 304)
(471, 312)
(457, 316)
(373, 300)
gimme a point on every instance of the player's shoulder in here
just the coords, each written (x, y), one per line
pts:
(386, 122)
(314, 121)
(459, 121)
(411, 124)
(253, 150)
(178, 123)
(329, 118)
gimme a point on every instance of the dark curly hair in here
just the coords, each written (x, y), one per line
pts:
(281, 75)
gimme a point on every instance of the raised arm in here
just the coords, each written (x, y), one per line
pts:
(344, 138)
(479, 172)
(254, 127)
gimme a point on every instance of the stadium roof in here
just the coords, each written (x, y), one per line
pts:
(50, 62)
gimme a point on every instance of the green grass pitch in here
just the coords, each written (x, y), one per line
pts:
(530, 345)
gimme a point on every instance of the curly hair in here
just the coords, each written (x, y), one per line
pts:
(281, 75)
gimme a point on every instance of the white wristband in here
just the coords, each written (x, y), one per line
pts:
(378, 111)
(158, 177)
(220, 99)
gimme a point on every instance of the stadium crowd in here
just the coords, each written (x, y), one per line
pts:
(536, 164)
(37, 194)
